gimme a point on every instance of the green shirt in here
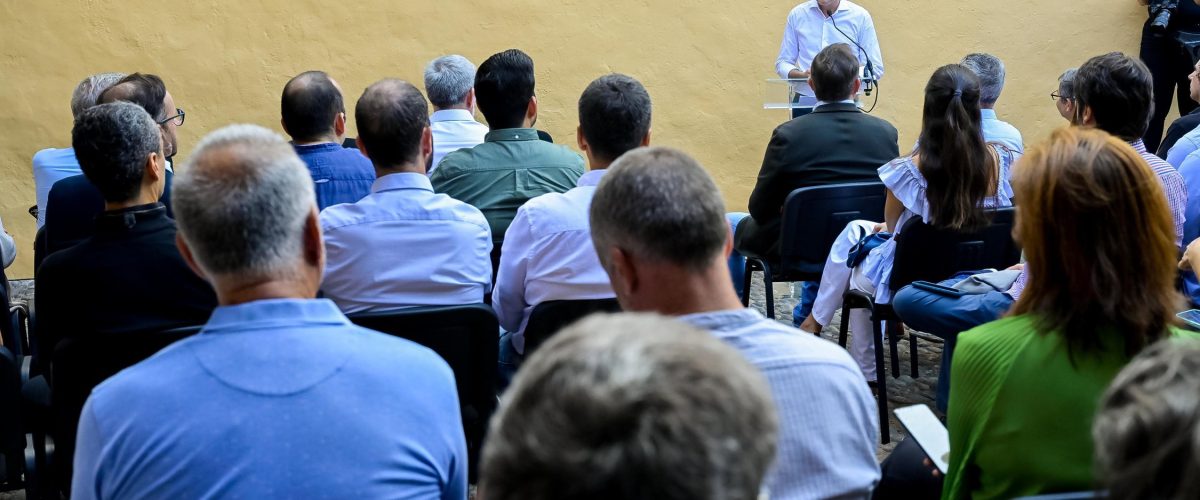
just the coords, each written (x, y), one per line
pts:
(1020, 415)
(510, 167)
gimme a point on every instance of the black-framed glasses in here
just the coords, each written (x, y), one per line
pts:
(1056, 96)
(177, 117)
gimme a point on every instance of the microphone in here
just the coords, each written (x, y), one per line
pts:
(869, 69)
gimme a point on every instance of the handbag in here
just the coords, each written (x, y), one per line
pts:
(1190, 42)
(865, 244)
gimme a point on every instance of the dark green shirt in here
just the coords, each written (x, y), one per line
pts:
(510, 167)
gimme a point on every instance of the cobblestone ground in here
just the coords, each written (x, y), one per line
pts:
(903, 391)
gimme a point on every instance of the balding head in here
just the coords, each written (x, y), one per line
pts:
(312, 108)
(393, 126)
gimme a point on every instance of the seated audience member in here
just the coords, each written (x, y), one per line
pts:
(548, 252)
(990, 70)
(1148, 425)
(836, 143)
(279, 396)
(1112, 93)
(1094, 225)
(450, 83)
(53, 165)
(74, 203)
(402, 245)
(512, 165)
(950, 181)
(1064, 97)
(631, 406)
(314, 115)
(1184, 125)
(128, 276)
(8, 248)
(658, 226)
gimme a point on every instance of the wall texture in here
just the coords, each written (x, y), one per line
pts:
(703, 61)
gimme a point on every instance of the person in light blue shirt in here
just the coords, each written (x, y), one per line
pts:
(450, 83)
(1183, 148)
(279, 395)
(990, 70)
(52, 165)
(314, 115)
(403, 245)
(658, 225)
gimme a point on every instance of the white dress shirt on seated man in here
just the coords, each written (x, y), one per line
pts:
(454, 129)
(548, 255)
(809, 30)
(404, 245)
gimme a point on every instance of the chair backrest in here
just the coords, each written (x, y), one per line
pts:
(813, 217)
(12, 434)
(549, 317)
(80, 364)
(927, 253)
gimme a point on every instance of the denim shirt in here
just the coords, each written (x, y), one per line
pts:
(340, 175)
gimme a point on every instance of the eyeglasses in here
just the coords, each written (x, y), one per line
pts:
(1054, 96)
(178, 118)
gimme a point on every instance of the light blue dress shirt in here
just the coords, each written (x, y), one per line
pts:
(404, 245)
(548, 255)
(828, 421)
(808, 31)
(454, 129)
(1184, 147)
(276, 399)
(999, 131)
(50, 166)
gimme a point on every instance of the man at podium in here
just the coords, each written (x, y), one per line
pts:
(816, 24)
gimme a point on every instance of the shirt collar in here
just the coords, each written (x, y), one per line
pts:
(402, 180)
(729, 319)
(841, 6)
(274, 313)
(452, 115)
(823, 103)
(592, 178)
(313, 148)
(511, 134)
(987, 114)
(1139, 146)
(128, 218)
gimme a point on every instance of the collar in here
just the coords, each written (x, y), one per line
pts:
(402, 180)
(842, 6)
(127, 218)
(824, 103)
(729, 319)
(591, 178)
(452, 115)
(826, 107)
(511, 134)
(274, 313)
(316, 148)
(1139, 146)
(988, 114)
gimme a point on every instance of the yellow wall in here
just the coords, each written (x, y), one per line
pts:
(703, 61)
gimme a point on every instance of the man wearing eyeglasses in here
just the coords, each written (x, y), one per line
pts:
(74, 203)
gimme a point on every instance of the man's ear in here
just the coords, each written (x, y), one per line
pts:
(470, 101)
(646, 140)
(314, 247)
(362, 147)
(812, 85)
(339, 125)
(186, 252)
(156, 167)
(1084, 116)
(531, 112)
(581, 140)
(426, 146)
(856, 88)
(285, 129)
(622, 272)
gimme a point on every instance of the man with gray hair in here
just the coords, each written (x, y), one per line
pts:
(52, 165)
(990, 70)
(658, 226)
(631, 406)
(284, 398)
(450, 83)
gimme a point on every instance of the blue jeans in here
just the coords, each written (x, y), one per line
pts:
(508, 363)
(946, 317)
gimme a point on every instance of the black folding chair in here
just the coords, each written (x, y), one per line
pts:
(927, 253)
(549, 317)
(468, 339)
(12, 431)
(813, 217)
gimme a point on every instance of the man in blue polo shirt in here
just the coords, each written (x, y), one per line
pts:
(314, 115)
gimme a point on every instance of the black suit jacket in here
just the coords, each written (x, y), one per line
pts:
(71, 210)
(836, 143)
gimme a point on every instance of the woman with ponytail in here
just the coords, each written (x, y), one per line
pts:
(950, 180)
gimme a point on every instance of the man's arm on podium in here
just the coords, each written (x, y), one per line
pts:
(789, 50)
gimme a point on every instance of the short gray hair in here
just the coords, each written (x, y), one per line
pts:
(990, 70)
(1066, 83)
(1147, 430)
(241, 203)
(448, 79)
(659, 204)
(112, 143)
(632, 406)
(89, 90)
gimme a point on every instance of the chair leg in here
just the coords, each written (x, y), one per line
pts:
(845, 324)
(893, 341)
(747, 277)
(768, 290)
(912, 355)
(885, 426)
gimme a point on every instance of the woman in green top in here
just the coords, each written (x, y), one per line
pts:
(1099, 241)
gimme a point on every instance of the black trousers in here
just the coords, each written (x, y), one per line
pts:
(1170, 65)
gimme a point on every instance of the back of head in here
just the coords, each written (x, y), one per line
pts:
(1119, 91)
(448, 80)
(1147, 431)
(310, 104)
(241, 203)
(391, 116)
(660, 205)
(954, 159)
(143, 89)
(88, 91)
(990, 70)
(113, 143)
(834, 71)
(504, 85)
(1095, 225)
(635, 407)
(614, 115)
(1066, 83)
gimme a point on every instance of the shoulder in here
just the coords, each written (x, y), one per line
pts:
(404, 359)
(461, 211)
(561, 154)
(901, 175)
(999, 337)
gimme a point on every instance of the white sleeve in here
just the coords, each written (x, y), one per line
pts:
(508, 295)
(870, 41)
(789, 49)
(7, 246)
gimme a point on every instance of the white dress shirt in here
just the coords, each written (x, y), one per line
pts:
(454, 129)
(548, 255)
(808, 31)
(402, 246)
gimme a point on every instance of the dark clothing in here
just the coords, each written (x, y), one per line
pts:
(1177, 130)
(836, 143)
(129, 277)
(1170, 66)
(72, 207)
(340, 175)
